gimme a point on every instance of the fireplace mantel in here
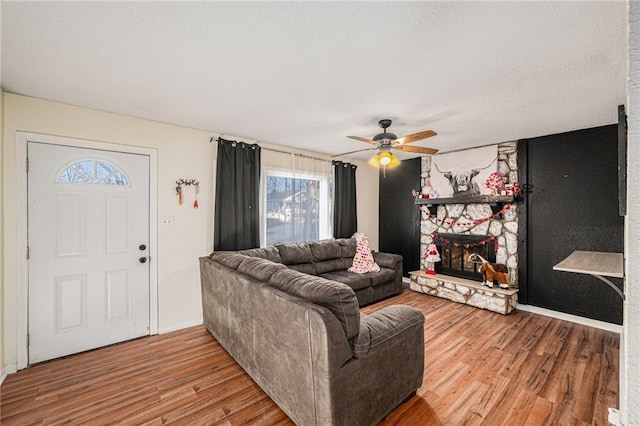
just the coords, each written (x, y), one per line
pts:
(495, 201)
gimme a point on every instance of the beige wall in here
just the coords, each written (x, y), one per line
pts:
(182, 153)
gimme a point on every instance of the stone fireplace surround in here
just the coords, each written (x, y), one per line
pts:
(467, 219)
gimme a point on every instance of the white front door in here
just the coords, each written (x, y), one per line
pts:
(88, 225)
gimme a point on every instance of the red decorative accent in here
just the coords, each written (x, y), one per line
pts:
(473, 223)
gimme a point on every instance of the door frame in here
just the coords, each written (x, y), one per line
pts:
(22, 263)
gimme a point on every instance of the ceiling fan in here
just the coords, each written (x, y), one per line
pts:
(384, 142)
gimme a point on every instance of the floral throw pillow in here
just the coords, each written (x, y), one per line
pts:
(363, 260)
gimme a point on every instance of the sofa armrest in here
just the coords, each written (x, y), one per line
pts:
(387, 260)
(381, 326)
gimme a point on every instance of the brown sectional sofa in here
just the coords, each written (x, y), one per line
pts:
(302, 337)
(330, 259)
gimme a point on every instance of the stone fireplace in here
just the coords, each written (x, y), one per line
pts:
(489, 229)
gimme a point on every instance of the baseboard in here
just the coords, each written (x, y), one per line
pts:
(180, 326)
(571, 318)
(9, 369)
(406, 280)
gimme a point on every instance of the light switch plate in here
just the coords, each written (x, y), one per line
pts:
(166, 221)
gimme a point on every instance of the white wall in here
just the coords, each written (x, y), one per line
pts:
(630, 377)
(182, 153)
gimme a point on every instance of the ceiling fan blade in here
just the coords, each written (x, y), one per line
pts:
(358, 138)
(353, 152)
(414, 137)
(416, 149)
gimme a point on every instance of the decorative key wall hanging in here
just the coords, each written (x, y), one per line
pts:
(187, 182)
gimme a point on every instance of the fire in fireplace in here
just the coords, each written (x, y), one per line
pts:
(455, 250)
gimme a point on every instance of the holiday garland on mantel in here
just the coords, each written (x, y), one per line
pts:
(466, 245)
(440, 222)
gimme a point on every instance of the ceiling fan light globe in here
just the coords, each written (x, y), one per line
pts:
(385, 160)
(394, 161)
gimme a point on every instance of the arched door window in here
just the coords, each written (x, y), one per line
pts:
(93, 172)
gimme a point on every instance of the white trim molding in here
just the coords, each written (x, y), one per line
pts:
(180, 326)
(9, 369)
(607, 326)
(22, 265)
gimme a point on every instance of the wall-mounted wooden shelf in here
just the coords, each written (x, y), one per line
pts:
(495, 201)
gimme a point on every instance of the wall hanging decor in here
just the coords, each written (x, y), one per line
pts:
(180, 190)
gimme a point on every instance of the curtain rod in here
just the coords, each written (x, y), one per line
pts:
(281, 151)
(294, 153)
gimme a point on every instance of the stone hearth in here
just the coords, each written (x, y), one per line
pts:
(465, 291)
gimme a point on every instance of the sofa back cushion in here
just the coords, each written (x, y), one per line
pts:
(230, 259)
(336, 297)
(325, 250)
(259, 269)
(269, 253)
(295, 253)
(307, 268)
(333, 265)
(348, 246)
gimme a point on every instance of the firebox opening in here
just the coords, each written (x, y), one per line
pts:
(455, 250)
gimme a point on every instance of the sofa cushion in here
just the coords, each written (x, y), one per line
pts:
(332, 265)
(353, 280)
(382, 325)
(388, 260)
(307, 268)
(382, 276)
(269, 253)
(259, 269)
(336, 297)
(295, 253)
(348, 246)
(230, 259)
(325, 250)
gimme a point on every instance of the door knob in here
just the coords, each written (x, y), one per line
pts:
(142, 247)
(143, 259)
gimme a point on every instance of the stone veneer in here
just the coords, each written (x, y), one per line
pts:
(465, 291)
(458, 218)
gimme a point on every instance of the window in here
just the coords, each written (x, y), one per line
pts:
(297, 207)
(92, 172)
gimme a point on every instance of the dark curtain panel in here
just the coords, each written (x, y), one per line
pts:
(237, 217)
(345, 217)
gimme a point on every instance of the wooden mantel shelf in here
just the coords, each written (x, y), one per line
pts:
(495, 201)
(469, 199)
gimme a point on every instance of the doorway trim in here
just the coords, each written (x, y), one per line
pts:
(22, 264)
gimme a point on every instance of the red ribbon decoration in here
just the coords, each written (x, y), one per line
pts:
(475, 222)
(467, 245)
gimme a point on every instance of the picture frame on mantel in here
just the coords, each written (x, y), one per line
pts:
(463, 173)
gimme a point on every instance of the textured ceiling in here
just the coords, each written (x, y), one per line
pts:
(307, 74)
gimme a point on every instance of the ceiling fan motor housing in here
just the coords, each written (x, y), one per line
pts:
(381, 137)
(385, 138)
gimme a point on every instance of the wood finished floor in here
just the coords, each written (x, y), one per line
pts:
(481, 368)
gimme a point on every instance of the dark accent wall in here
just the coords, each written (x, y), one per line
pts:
(399, 218)
(571, 204)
